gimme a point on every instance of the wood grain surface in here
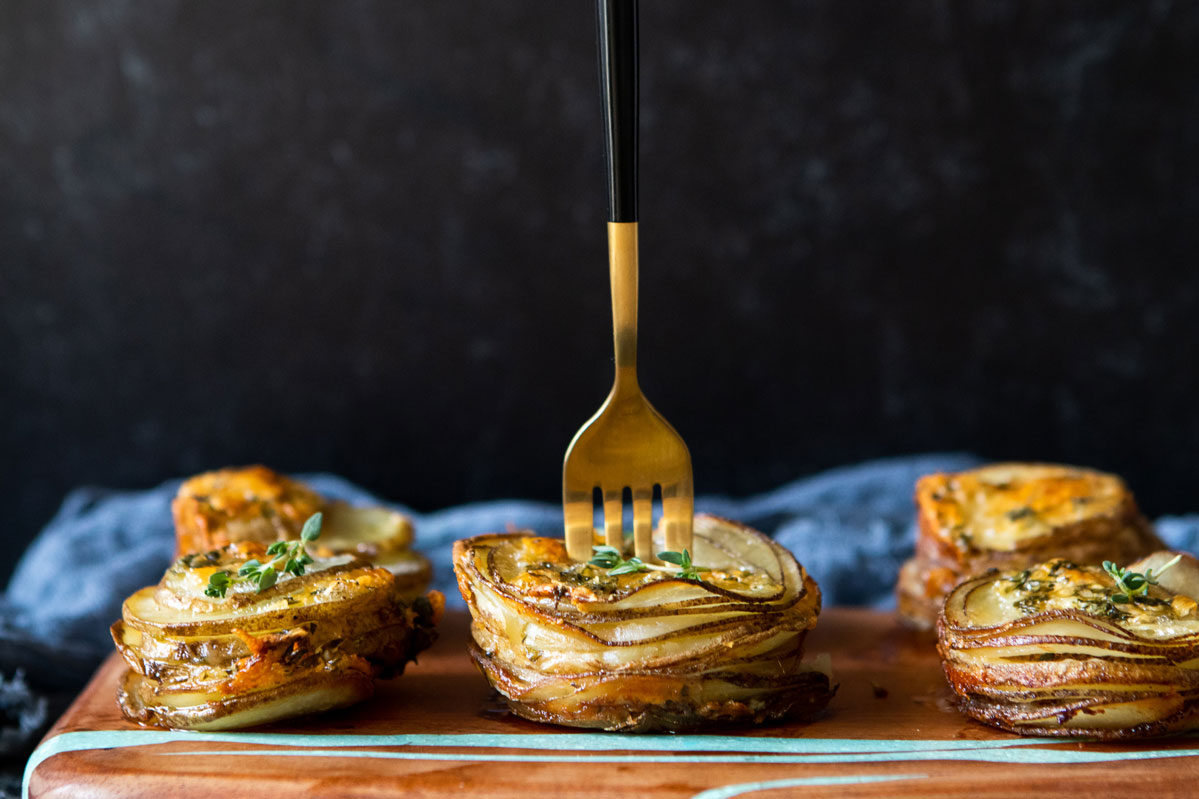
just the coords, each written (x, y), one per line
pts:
(892, 730)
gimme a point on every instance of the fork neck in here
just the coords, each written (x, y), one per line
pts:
(622, 264)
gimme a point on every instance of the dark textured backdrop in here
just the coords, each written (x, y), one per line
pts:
(369, 237)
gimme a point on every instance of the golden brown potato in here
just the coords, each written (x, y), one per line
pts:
(1011, 515)
(1064, 650)
(215, 509)
(256, 504)
(578, 645)
(256, 654)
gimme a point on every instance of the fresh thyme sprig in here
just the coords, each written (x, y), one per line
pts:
(687, 569)
(1134, 584)
(610, 558)
(289, 557)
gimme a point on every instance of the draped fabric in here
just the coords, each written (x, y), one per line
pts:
(851, 528)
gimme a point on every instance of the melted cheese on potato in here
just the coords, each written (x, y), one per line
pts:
(227, 506)
(1061, 585)
(540, 567)
(1002, 506)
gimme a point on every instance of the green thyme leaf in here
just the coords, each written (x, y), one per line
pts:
(687, 569)
(218, 583)
(605, 557)
(628, 567)
(610, 558)
(266, 578)
(1021, 513)
(287, 557)
(1132, 585)
(312, 528)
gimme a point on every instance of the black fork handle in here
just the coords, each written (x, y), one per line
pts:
(619, 87)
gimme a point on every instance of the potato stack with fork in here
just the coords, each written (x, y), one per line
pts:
(704, 622)
(620, 644)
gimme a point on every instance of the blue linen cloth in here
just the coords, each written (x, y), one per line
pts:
(851, 527)
(103, 545)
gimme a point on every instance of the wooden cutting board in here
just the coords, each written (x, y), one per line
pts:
(891, 731)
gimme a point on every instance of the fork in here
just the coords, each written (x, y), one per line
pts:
(626, 444)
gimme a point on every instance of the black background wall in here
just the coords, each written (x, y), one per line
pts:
(369, 237)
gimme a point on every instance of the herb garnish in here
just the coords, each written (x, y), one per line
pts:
(211, 556)
(1134, 585)
(291, 554)
(1021, 513)
(688, 570)
(1019, 579)
(610, 558)
(1104, 607)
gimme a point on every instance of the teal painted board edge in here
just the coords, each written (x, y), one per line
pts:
(726, 749)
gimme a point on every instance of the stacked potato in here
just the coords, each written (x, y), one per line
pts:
(1012, 515)
(266, 617)
(307, 643)
(587, 646)
(228, 506)
(1062, 649)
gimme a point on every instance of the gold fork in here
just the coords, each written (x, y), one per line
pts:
(627, 444)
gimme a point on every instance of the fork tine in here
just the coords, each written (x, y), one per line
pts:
(614, 519)
(677, 512)
(579, 512)
(643, 523)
